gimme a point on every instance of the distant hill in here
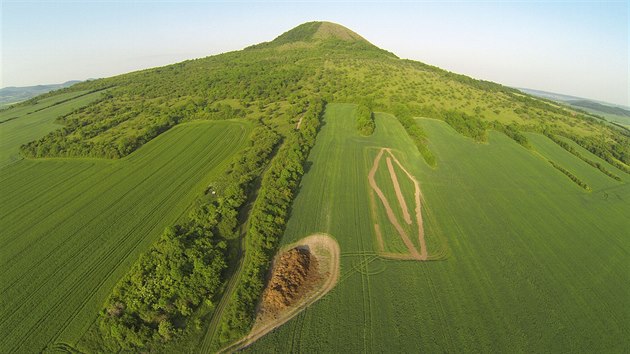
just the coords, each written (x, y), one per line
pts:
(601, 107)
(549, 95)
(611, 112)
(14, 94)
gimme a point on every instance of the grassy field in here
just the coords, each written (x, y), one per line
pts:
(23, 124)
(529, 261)
(72, 227)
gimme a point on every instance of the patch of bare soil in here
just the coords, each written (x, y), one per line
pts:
(302, 273)
(418, 200)
(299, 123)
(399, 195)
(388, 209)
(413, 252)
(418, 209)
(294, 274)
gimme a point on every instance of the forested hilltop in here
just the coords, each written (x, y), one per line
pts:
(198, 285)
(269, 80)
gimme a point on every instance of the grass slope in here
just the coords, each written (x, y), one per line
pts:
(72, 228)
(534, 263)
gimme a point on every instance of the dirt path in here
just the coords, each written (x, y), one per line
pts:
(326, 250)
(413, 252)
(418, 197)
(390, 213)
(299, 123)
(206, 342)
(399, 195)
(379, 238)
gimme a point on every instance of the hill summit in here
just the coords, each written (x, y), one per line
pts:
(318, 30)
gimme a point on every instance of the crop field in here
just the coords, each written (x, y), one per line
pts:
(23, 124)
(596, 179)
(520, 258)
(72, 227)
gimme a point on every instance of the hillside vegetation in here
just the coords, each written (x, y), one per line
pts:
(269, 80)
(141, 212)
(12, 94)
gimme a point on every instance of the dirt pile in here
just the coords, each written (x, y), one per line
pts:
(300, 276)
(294, 273)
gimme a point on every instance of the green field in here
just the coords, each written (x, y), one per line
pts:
(72, 227)
(22, 124)
(519, 243)
(530, 262)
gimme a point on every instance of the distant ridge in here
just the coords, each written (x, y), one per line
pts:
(13, 94)
(569, 99)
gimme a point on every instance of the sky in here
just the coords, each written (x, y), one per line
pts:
(577, 48)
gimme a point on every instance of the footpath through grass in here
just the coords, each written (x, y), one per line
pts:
(72, 227)
(532, 262)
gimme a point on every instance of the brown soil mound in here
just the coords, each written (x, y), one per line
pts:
(294, 274)
(321, 277)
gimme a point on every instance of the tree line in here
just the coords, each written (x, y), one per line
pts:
(513, 132)
(365, 120)
(573, 151)
(571, 176)
(415, 132)
(267, 223)
(159, 298)
(259, 81)
(615, 153)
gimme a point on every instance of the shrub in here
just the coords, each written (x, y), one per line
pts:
(415, 132)
(365, 120)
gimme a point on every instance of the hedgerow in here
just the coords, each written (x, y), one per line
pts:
(615, 153)
(573, 151)
(576, 180)
(365, 120)
(513, 132)
(467, 125)
(267, 223)
(415, 132)
(154, 302)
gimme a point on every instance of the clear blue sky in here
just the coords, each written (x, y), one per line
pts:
(576, 48)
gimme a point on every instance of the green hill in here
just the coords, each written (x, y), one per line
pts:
(10, 95)
(318, 31)
(141, 212)
(314, 59)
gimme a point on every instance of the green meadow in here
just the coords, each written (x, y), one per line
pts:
(525, 259)
(71, 228)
